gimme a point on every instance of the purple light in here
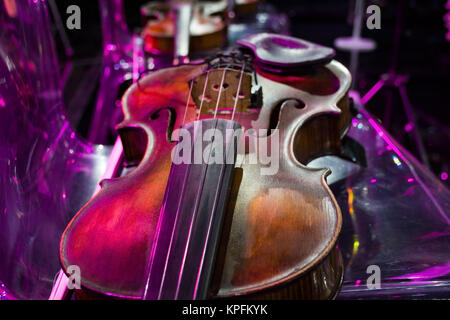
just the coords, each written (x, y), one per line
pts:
(410, 180)
(444, 176)
(373, 180)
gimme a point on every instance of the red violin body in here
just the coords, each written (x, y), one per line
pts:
(255, 230)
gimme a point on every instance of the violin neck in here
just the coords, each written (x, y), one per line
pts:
(184, 249)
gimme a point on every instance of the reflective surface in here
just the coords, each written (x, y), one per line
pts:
(396, 217)
(266, 20)
(46, 172)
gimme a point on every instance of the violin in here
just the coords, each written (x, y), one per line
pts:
(176, 227)
(201, 25)
(204, 22)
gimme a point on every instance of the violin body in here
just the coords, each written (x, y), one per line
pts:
(279, 232)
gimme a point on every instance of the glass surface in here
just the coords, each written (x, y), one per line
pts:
(395, 217)
(46, 172)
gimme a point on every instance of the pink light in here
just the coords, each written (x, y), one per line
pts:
(390, 144)
(435, 235)
(410, 180)
(373, 180)
(372, 92)
(427, 274)
(357, 283)
(409, 127)
(380, 133)
(447, 20)
(110, 47)
(135, 61)
(444, 176)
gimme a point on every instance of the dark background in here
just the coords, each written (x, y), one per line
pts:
(424, 56)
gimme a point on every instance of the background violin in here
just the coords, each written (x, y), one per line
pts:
(167, 231)
(204, 22)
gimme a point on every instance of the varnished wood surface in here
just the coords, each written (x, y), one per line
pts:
(283, 227)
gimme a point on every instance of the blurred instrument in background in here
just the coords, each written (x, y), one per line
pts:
(205, 23)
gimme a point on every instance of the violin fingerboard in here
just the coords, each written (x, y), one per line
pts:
(190, 223)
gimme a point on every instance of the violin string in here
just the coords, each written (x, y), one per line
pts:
(179, 206)
(222, 170)
(179, 202)
(221, 175)
(238, 91)
(157, 235)
(194, 215)
(200, 187)
(181, 197)
(187, 103)
(220, 91)
(159, 221)
(178, 211)
(199, 192)
(242, 138)
(203, 95)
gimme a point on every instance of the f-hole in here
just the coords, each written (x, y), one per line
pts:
(170, 122)
(275, 114)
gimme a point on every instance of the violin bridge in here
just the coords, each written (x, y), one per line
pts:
(227, 94)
